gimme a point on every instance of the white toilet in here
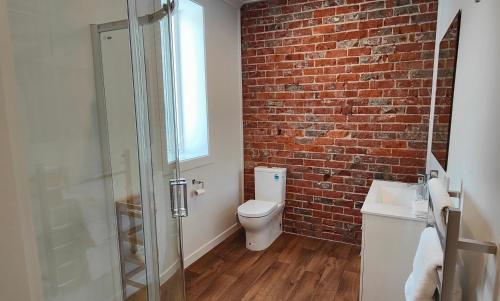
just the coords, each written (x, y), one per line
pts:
(261, 217)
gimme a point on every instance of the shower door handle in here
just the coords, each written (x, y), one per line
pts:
(178, 207)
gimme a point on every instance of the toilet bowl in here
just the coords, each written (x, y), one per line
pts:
(262, 223)
(261, 218)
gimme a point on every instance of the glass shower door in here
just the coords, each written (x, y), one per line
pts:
(154, 84)
(137, 121)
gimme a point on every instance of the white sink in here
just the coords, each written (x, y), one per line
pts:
(393, 199)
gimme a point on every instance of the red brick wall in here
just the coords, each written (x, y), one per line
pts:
(338, 92)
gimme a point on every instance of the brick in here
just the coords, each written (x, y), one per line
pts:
(324, 29)
(384, 49)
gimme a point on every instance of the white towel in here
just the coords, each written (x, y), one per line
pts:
(420, 208)
(440, 200)
(423, 281)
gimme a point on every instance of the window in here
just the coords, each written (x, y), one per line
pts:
(191, 94)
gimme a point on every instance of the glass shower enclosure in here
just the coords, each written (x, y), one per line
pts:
(94, 108)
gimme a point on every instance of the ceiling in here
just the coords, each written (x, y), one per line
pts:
(239, 3)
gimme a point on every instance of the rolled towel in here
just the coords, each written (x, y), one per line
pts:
(440, 200)
(423, 281)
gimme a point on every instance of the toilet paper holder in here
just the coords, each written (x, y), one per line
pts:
(198, 182)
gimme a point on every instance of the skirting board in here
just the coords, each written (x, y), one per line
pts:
(170, 271)
(189, 259)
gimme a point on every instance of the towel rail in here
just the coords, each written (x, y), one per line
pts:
(477, 246)
(451, 242)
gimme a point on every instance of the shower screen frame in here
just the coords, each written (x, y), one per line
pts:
(144, 152)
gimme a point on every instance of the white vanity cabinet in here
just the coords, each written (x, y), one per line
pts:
(390, 237)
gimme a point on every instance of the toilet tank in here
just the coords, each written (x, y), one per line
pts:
(270, 184)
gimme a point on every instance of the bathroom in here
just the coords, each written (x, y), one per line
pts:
(249, 150)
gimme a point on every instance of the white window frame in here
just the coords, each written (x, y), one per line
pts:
(195, 162)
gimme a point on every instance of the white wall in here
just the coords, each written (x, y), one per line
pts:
(14, 256)
(212, 215)
(475, 137)
(14, 285)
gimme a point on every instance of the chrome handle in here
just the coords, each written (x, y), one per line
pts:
(184, 209)
(178, 208)
(173, 190)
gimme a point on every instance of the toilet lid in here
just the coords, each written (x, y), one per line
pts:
(256, 208)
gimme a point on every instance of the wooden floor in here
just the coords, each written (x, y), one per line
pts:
(292, 268)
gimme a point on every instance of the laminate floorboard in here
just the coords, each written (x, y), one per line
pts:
(292, 268)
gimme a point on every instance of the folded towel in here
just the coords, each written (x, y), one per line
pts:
(440, 200)
(423, 281)
(420, 208)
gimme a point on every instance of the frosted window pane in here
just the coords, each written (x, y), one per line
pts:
(191, 89)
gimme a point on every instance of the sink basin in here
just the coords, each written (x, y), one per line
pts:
(398, 196)
(393, 199)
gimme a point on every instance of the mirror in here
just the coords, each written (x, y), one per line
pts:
(448, 49)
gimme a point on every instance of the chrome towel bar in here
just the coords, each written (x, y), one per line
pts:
(451, 243)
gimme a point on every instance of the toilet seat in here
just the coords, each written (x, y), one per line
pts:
(256, 208)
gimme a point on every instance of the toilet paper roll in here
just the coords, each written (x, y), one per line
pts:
(199, 191)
